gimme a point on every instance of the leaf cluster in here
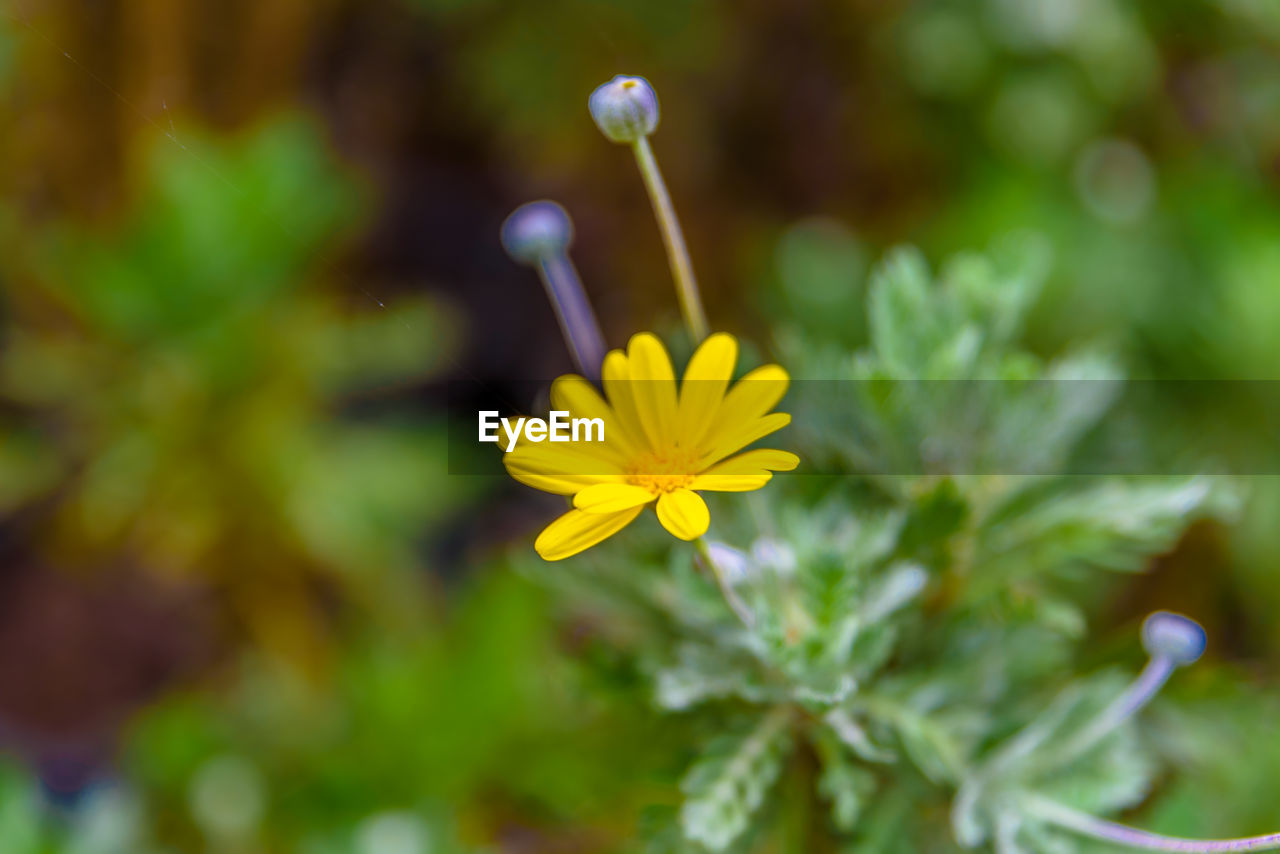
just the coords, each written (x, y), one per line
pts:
(911, 617)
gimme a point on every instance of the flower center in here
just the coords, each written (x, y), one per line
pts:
(663, 471)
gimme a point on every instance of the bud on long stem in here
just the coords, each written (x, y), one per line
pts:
(1137, 695)
(626, 111)
(539, 234)
(673, 238)
(1172, 641)
(577, 320)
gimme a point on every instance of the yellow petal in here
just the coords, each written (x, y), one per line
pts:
(611, 497)
(758, 460)
(751, 397)
(575, 395)
(616, 376)
(731, 482)
(704, 384)
(562, 458)
(562, 468)
(732, 440)
(653, 387)
(684, 514)
(745, 472)
(555, 484)
(576, 531)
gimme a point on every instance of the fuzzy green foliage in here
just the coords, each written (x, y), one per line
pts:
(908, 643)
(912, 672)
(925, 637)
(174, 386)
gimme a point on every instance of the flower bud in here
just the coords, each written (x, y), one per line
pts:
(1173, 636)
(537, 230)
(625, 109)
(732, 563)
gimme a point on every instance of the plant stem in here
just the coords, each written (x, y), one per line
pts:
(1130, 837)
(573, 310)
(678, 255)
(726, 589)
(1123, 707)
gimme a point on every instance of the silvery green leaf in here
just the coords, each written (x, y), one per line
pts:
(726, 786)
(904, 322)
(829, 587)
(895, 588)
(1113, 775)
(927, 742)
(844, 784)
(968, 823)
(1107, 523)
(703, 673)
(824, 690)
(995, 289)
(871, 649)
(1110, 778)
(1046, 839)
(1031, 419)
(854, 736)
(871, 536)
(1008, 833)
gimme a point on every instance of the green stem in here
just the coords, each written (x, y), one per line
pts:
(681, 267)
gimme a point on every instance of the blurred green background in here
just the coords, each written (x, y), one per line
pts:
(244, 247)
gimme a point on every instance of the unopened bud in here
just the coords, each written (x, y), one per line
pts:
(625, 109)
(1173, 636)
(732, 563)
(537, 230)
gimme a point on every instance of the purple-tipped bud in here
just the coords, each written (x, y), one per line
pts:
(539, 234)
(732, 563)
(1173, 636)
(625, 109)
(537, 230)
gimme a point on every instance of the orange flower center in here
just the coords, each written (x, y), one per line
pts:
(663, 471)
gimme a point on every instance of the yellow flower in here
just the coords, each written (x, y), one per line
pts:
(660, 445)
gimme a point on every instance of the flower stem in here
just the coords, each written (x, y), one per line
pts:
(1123, 707)
(726, 589)
(681, 267)
(1130, 837)
(577, 320)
